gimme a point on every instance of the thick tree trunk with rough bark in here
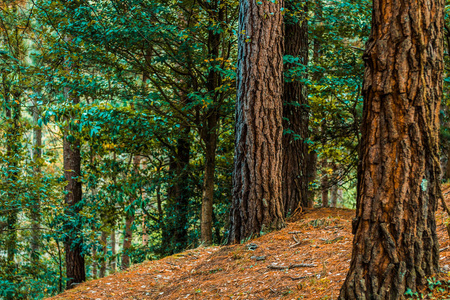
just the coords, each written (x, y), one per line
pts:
(396, 245)
(257, 199)
(295, 119)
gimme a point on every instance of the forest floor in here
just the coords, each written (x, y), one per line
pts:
(306, 260)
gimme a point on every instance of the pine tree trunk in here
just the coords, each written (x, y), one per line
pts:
(36, 206)
(311, 168)
(295, 118)
(144, 233)
(75, 268)
(175, 234)
(104, 253)
(395, 245)
(210, 140)
(209, 128)
(311, 173)
(94, 262)
(334, 195)
(13, 208)
(127, 239)
(257, 199)
(113, 251)
(334, 186)
(324, 184)
(129, 219)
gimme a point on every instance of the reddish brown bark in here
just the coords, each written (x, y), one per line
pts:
(396, 245)
(127, 239)
(257, 200)
(295, 119)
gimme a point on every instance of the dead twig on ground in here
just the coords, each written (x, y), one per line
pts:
(292, 266)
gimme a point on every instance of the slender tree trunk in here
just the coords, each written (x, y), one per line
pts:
(129, 219)
(13, 208)
(210, 127)
(208, 185)
(257, 199)
(144, 233)
(175, 233)
(447, 168)
(324, 184)
(113, 251)
(334, 186)
(36, 207)
(104, 253)
(75, 268)
(395, 246)
(295, 117)
(311, 168)
(334, 195)
(94, 262)
(324, 181)
(127, 239)
(311, 173)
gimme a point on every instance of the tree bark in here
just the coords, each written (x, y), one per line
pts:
(209, 128)
(104, 253)
(129, 219)
(12, 149)
(75, 268)
(311, 168)
(295, 118)
(324, 184)
(36, 206)
(127, 239)
(395, 245)
(144, 233)
(257, 199)
(210, 140)
(94, 262)
(334, 186)
(113, 251)
(175, 233)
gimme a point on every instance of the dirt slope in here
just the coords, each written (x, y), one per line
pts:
(316, 245)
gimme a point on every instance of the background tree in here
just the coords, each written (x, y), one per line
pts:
(257, 198)
(295, 109)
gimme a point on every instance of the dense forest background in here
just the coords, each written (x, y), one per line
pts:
(131, 104)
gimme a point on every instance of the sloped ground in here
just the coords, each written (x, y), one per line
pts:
(306, 260)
